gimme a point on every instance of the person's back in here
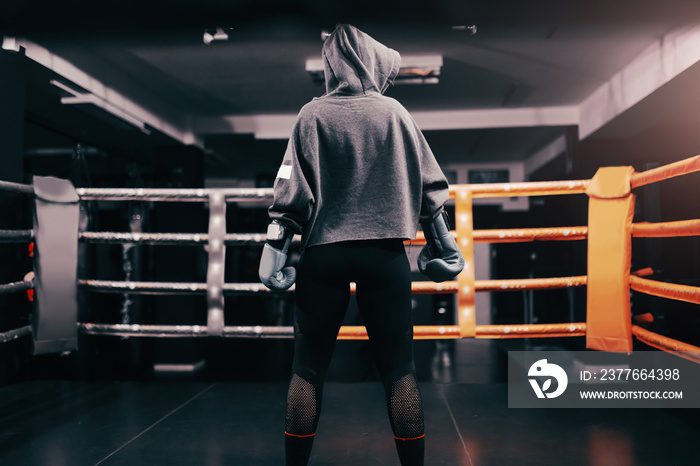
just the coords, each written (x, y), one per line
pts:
(366, 168)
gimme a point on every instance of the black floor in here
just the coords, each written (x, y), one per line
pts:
(187, 422)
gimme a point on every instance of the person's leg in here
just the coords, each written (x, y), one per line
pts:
(384, 300)
(322, 296)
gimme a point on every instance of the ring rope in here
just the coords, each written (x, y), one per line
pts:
(639, 230)
(577, 329)
(136, 330)
(110, 286)
(532, 188)
(531, 283)
(154, 288)
(535, 188)
(517, 235)
(112, 237)
(690, 294)
(172, 194)
(16, 187)
(178, 331)
(480, 236)
(16, 236)
(420, 332)
(665, 172)
(530, 234)
(661, 342)
(482, 331)
(14, 334)
(500, 285)
(666, 229)
(15, 286)
(115, 286)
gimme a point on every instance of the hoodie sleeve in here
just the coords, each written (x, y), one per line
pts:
(293, 198)
(436, 190)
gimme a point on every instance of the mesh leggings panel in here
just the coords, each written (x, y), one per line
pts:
(303, 407)
(405, 407)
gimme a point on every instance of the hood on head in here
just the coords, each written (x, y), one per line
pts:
(355, 63)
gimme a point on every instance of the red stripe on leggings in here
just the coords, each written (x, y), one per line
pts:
(413, 438)
(295, 435)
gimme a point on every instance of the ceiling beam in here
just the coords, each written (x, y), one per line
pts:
(658, 64)
(280, 126)
(102, 96)
(496, 118)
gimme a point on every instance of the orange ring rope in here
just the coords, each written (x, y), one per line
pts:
(420, 332)
(432, 288)
(666, 344)
(517, 235)
(530, 283)
(690, 294)
(531, 330)
(530, 234)
(665, 172)
(533, 188)
(666, 229)
(496, 285)
(436, 332)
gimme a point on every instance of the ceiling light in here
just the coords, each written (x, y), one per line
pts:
(471, 29)
(76, 97)
(219, 35)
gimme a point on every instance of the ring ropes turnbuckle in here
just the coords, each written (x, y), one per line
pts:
(667, 290)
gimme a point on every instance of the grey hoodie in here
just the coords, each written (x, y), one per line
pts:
(357, 166)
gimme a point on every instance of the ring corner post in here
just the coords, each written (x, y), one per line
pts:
(611, 210)
(56, 222)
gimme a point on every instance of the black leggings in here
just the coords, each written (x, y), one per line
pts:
(382, 273)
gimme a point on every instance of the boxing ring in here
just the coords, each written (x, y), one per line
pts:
(57, 233)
